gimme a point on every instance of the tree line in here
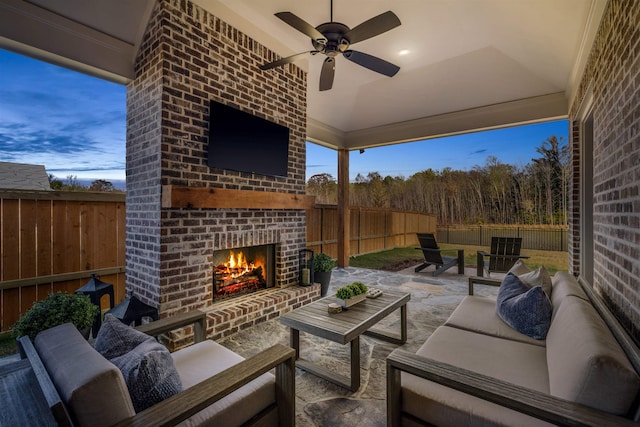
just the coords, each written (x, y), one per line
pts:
(496, 193)
(71, 183)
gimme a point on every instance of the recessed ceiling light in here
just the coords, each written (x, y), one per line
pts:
(404, 52)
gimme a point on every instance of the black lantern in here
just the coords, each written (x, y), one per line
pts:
(95, 289)
(132, 310)
(305, 273)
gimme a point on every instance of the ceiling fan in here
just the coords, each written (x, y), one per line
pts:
(334, 38)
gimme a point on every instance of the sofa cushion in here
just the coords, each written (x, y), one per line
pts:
(207, 358)
(115, 338)
(586, 363)
(83, 377)
(478, 314)
(496, 357)
(147, 366)
(527, 310)
(563, 285)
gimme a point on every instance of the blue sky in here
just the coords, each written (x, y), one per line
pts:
(515, 146)
(76, 125)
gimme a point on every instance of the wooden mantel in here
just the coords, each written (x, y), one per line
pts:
(220, 198)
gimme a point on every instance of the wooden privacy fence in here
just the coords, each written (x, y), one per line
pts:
(543, 237)
(52, 241)
(371, 229)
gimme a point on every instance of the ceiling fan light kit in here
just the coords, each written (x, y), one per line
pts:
(334, 38)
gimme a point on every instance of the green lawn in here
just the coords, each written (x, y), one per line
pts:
(404, 257)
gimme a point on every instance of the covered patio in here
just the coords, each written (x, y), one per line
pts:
(478, 65)
(501, 65)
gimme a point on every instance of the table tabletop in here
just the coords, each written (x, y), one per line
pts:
(343, 327)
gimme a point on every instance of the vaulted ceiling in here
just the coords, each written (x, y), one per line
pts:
(471, 64)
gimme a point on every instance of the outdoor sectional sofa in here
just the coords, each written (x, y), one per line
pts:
(477, 370)
(83, 388)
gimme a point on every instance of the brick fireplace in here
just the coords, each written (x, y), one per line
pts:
(241, 271)
(179, 210)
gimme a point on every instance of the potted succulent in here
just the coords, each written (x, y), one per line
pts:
(56, 309)
(351, 294)
(322, 266)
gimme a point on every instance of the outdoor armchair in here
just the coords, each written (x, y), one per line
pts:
(505, 251)
(84, 388)
(433, 255)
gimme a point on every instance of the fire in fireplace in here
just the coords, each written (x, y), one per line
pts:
(242, 270)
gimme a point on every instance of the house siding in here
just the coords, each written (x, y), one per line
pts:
(612, 75)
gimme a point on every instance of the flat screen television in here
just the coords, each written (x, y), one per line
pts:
(243, 142)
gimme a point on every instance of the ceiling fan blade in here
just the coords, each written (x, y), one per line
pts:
(327, 73)
(287, 60)
(302, 26)
(372, 27)
(372, 62)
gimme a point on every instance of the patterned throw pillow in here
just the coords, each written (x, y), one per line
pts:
(149, 373)
(146, 365)
(115, 338)
(527, 310)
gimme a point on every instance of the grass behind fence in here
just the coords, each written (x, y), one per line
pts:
(553, 261)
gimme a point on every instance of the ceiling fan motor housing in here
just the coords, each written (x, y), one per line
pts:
(336, 43)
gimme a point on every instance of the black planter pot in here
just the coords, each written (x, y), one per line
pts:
(323, 277)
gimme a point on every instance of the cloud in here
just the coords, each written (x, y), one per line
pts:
(476, 152)
(67, 121)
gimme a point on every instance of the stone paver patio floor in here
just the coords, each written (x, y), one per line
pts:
(320, 403)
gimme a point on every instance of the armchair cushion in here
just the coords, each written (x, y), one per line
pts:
(208, 358)
(81, 376)
(527, 310)
(147, 366)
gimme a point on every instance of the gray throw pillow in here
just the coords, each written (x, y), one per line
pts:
(146, 365)
(149, 373)
(115, 338)
(527, 310)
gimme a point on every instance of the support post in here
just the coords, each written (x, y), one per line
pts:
(343, 208)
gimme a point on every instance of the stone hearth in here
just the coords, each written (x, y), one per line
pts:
(230, 316)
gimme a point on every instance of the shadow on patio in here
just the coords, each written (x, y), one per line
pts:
(320, 403)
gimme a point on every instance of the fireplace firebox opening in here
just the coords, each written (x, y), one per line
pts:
(241, 271)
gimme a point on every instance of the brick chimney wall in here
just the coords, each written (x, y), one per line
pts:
(189, 57)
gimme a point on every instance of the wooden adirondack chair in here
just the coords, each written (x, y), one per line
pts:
(505, 251)
(432, 255)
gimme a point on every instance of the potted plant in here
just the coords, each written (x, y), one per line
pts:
(56, 309)
(351, 294)
(322, 266)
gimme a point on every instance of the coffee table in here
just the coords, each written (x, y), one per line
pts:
(345, 327)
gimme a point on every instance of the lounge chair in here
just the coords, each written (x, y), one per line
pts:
(505, 251)
(433, 255)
